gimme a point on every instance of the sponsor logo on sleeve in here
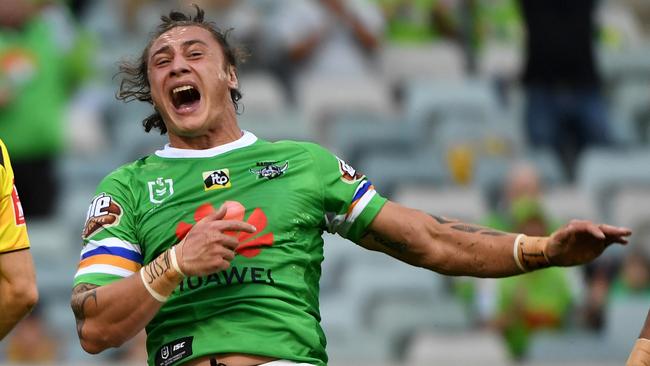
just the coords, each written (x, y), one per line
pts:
(160, 189)
(174, 351)
(103, 212)
(217, 179)
(19, 215)
(269, 169)
(348, 173)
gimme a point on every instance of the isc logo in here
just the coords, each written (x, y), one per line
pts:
(178, 346)
(216, 179)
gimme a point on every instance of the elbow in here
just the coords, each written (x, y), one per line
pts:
(24, 296)
(95, 342)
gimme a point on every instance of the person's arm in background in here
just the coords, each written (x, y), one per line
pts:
(455, 248)
(18, 293)
(640, 355)
(367, 35)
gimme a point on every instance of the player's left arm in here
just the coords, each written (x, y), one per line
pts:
(452, 247)
(640, 355)
(18, 293)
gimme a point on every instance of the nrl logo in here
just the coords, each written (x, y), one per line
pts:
(160, 189)
(269, 169)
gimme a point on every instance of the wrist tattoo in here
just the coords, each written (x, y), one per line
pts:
(467, 228)
(157, 268)
(82, 294)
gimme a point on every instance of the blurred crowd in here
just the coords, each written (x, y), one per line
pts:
(540, 107)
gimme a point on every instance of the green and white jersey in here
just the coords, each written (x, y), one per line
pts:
(266, 303)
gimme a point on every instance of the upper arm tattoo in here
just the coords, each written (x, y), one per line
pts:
(81, 295)
(467, 228)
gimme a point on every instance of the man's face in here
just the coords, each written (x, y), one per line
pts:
(190, 80)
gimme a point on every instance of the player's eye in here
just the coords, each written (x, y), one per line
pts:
(195, 54)
(162, 61)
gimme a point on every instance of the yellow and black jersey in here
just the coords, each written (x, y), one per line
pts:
(13, 231)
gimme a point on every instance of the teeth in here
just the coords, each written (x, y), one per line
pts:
(181, 88)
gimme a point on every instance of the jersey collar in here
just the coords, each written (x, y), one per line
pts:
(246, 139)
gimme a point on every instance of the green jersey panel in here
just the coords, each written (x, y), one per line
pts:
(266, 303)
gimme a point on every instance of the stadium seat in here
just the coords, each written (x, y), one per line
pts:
(323, 98)
(440, 60)
(457, 348)
(623, 322)
(500, 60)
(601, 172)
(464, 203)
(262, 94)
(630, 206)
(569, 202)
(570, 347)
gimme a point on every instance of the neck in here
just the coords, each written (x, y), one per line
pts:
(222, 133)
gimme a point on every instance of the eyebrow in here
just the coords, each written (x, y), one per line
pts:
(185, 44)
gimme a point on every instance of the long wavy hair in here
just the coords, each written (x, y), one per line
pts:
(135, 79)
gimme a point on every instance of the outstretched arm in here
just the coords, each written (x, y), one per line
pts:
(108, 316)
(640, 355)
(18, 293)
(452, 247)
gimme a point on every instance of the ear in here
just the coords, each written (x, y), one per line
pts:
(233, 82)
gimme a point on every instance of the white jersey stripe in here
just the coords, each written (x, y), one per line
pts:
(104, 269)
(360, 206)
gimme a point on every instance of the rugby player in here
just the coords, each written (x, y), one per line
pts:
(18, 292)
(213, 243)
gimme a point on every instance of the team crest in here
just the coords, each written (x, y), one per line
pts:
(348, 173)
(160, 189)
(103, 212)
(217, 179)
(270, 169)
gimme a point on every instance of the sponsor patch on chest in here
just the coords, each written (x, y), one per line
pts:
(216, 179)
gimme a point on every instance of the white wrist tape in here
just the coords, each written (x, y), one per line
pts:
(175, 266)
(152, 292)
(515, 249)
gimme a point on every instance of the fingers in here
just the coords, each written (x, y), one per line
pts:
(610, 230)
(232, 225)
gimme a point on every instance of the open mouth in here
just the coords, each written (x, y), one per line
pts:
(185, 97)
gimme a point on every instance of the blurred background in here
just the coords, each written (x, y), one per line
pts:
(517, 114)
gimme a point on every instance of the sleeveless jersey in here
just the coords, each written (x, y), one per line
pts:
(13, 231)
(266, 303)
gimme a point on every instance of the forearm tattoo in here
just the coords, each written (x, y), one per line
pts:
(157, 268)
(390, 244)
(467, 228)
(82, 294)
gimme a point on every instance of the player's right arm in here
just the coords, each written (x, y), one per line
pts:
(109, 315)
(18, 293)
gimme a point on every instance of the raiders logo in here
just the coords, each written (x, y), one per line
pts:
(348, 173)
(103, 212)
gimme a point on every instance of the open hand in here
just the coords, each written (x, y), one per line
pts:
(581, 241)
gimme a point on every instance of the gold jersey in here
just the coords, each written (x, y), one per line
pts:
(13, 231)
